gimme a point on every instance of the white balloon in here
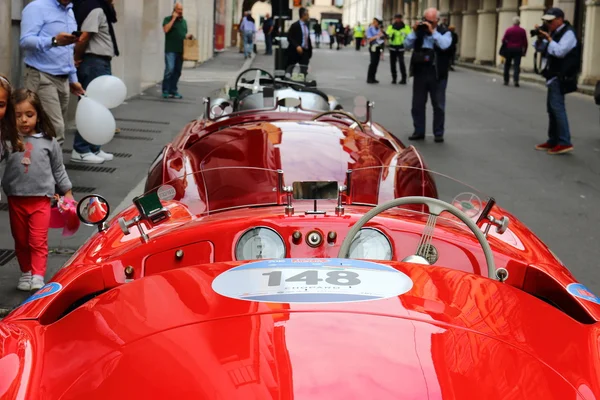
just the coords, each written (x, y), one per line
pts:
(107, 90)
(95, 122)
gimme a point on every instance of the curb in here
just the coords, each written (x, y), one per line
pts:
(584, 89)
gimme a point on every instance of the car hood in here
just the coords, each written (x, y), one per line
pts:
(452, 335)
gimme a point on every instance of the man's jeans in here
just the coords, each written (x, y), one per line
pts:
(513, 55)
(91, 67)
(248, 43)
(269, 43)
(426, 84)
(173, 66)
(558, 128)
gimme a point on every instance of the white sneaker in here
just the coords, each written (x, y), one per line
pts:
(25, 282)
(37, 282)
(106, 156)
(87, 158)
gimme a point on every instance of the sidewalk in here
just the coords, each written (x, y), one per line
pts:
(147, 123)
(524, 77)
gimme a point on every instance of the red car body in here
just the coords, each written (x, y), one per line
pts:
(132, 319)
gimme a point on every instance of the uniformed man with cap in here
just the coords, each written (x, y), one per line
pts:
(396, 33)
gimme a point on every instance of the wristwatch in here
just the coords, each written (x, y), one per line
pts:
(54, 42)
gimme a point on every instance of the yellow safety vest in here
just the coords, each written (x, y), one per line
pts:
(359, 32)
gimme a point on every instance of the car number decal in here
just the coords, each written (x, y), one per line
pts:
(311, 281)
(581, 291)
(47, 290)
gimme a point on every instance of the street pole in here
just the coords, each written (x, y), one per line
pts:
(281, 12)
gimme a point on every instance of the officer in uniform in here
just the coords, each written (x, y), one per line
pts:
(396, 33)
(375, 40)
(359, 35)
(429, 66)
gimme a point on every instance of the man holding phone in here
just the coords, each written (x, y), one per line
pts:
(94, 51)
(48, 42)
(175, 28)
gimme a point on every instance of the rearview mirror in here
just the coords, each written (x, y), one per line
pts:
(314, 190)
(93, 210)
(289, 102)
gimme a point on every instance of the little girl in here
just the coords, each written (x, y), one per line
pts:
(31, 176)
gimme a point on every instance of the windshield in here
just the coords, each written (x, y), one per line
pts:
(223, 188)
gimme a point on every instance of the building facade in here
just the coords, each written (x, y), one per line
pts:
(139, 34)
(482, 23)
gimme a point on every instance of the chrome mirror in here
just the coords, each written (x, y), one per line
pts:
(93, 210)
(314, 190)
(289, 102)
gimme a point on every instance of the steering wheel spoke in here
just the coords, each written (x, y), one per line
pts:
(425, 242)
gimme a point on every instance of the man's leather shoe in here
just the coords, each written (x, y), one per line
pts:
(393, 81)
(439, 139)
(414, 136)
(403, 82)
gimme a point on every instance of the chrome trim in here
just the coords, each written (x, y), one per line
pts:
(237, 243)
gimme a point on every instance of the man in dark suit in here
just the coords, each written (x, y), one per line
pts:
(300, 45)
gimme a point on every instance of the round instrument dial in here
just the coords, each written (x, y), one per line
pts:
(259, 243)
(371, 244)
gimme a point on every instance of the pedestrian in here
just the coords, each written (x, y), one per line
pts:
(397, 33)
(8, 123)
(347, 35)
(515, 45)
(48, 43)
(375, 41)
(30, 179)
(559, 47)
(248, 29)
(318, 33)
(300, 45)
(175, 28)
(340, 34)
(267, 28)
(429, 66)
(331, 32)
(453, 47)
(359, 36)
(93, 55)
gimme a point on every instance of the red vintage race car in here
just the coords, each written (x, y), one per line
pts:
(284, 254)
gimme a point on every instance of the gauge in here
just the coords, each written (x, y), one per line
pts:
(259, 243)
(371, 244)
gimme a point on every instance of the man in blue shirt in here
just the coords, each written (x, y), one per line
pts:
(48, 42)
(429, 66)
(375, 40)
(300, 46)
(560, 54)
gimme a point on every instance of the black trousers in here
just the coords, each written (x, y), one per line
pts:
(426, 84)
(512, 55)
(397, 57)
(358, 43)
(375, 57)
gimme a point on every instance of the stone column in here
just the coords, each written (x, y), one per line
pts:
(531, 14)
(444, 9)
(509, 10)
(568, 7)
(590, 73)
(486, 33)
(456, 19)
(468, 37)
(5, 37)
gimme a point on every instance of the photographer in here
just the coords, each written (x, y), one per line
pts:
(558, 45)
(429, 66)
(375, 40)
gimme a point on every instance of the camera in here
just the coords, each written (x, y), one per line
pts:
(535, 32)
(421, 27)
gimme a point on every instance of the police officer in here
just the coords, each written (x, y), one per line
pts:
(429, 66)
(558, 44)
(375, 40)
(359, 35)
(396, 33)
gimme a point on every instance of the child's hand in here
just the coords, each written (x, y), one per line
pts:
(69, 195)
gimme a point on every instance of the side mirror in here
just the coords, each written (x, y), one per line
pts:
(289, 102)
(93, 210)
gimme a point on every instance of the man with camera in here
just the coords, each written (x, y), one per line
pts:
(429, 66)
(558, 45)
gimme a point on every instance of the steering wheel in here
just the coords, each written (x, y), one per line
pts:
(256, 83)
(345, 114)
(436, 207)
